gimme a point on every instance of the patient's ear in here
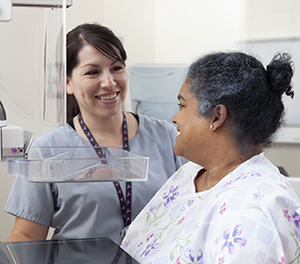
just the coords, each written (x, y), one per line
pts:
(219, 116)
(69, 86)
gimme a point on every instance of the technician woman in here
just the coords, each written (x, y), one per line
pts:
(97, 78)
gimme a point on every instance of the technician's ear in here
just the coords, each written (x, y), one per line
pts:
(219, 116)
(69, 86)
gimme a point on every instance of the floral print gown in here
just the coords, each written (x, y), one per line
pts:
(251, 216)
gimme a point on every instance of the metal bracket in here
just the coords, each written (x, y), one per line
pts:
(5, 10)
(6, 6)
(40, 3)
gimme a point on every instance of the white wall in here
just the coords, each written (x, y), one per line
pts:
(134, 22)
(194, 27)
(271, 19)
(87, 11)
(174, 31)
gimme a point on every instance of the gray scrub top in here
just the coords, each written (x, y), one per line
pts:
(92, 209)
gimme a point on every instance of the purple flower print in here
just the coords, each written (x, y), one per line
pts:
(221, 260)
(171, 196)
(152, 209)
(296, 218)
(217, 241)
(282, 260)
(286, 215)
(222, 209)
(177, 261)
(148, 249)
(148, 238)
(126, 244)
(258, 196)
(282, 186)
(234, 239)
(190, 202)
(227, 183)
(180, 221)
(192, 258)
(248, 175)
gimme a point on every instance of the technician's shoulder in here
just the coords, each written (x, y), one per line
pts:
(157, 129)
(59, 136)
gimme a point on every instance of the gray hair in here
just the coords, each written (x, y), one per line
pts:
(251, 94)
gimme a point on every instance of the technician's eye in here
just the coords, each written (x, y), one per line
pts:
(92, 73)
(180, 106)
(117, 68)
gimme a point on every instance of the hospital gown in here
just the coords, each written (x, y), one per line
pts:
(251, 216)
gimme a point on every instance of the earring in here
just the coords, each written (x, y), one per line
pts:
(211, 126)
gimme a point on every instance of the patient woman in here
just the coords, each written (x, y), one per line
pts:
(230, 204)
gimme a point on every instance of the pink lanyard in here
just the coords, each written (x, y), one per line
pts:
(125, 203)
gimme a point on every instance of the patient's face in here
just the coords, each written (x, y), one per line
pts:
(193, 128)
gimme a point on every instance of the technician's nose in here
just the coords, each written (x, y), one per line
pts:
(107, 80)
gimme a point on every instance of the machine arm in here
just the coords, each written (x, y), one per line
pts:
(6, 6)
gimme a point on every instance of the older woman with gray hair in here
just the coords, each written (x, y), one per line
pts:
(230, 204)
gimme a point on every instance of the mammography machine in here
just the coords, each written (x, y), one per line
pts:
(38, 43)
(42, 96)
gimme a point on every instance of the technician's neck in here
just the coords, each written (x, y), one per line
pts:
(106, 131)
(96, 124)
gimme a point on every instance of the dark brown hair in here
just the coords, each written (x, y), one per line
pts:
(102, 39)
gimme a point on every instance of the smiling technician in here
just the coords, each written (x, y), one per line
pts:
(97, 87)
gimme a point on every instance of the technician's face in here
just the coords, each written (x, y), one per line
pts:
(98, 83)
(193, 128)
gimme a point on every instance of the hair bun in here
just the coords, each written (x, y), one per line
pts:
(279, 73)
